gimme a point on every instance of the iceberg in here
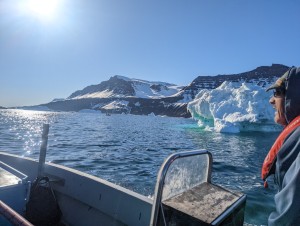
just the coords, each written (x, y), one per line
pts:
(234, 107)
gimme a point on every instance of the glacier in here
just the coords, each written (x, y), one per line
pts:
(234, 107)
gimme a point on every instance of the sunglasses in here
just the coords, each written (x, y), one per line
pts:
(278, 92)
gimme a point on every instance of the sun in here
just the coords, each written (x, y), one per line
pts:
(43, 9)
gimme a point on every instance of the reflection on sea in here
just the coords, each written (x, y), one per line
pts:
(128, 150)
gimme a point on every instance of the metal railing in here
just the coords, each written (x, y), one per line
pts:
(157, 204)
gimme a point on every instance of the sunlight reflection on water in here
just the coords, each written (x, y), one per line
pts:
(128, 150)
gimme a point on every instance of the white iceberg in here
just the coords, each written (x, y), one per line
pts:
(234, 107)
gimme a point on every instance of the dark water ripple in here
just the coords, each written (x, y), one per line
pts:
(128, 150)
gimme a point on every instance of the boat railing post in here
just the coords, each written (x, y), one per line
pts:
(43, 150)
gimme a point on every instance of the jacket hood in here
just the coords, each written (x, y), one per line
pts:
(292, 94)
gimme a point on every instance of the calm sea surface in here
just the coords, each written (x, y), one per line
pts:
(128, 150)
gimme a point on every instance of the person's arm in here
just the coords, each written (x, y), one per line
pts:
(287, 200)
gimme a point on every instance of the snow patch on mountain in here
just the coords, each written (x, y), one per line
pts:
(102, 94)
(150, 90)
(118, 104)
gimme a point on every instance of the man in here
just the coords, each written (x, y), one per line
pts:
(283, 159)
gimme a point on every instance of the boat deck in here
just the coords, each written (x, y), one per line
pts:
(7, 178)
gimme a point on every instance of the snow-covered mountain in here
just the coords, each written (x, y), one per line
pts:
(124, 87)
(120, 94)
(120, 86)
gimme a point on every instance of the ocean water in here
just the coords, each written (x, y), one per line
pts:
(128, 150)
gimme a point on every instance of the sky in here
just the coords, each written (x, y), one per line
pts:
(51, 49)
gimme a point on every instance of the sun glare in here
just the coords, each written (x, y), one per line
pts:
(43, 9)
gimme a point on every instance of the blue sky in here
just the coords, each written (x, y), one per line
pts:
(85, 42)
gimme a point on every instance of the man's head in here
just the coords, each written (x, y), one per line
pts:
(286, 99)
(277, 101)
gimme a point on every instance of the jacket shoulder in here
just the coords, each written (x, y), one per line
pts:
(287, 155)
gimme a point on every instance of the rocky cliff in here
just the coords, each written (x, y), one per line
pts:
(262, 76)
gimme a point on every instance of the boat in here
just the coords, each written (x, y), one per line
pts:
(184, 194)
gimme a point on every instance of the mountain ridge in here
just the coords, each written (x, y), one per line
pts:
(120, 94)
(262, 76)
(121, 86)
